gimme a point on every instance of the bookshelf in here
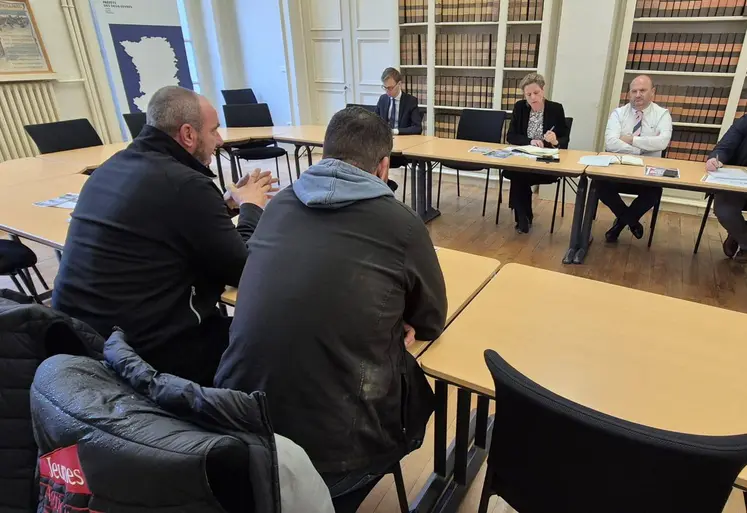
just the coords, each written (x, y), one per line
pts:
(462, 52)
(695, 53)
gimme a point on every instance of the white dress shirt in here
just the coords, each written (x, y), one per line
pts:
(656, 131)
(395, 131)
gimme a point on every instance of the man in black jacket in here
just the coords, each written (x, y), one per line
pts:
(399, 109)
(151, 245)
(728, 206)
(339, 274)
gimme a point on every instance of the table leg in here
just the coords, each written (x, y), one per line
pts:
(440, 428)
(234, 168)
(297, 159)
(591, 210)
(461, 449)
(414, 186)
(481, 431)
(220, 169)
(578, 217)
(423, 199)
(308, 154)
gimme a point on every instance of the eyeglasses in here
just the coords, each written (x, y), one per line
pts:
(387, 88)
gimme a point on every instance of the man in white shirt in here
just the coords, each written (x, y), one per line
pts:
(639, 128)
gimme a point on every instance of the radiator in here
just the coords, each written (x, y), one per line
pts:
(23, 103)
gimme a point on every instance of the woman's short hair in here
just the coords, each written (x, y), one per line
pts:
(532, 78)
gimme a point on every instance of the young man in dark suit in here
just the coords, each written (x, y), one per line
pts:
(399, 109)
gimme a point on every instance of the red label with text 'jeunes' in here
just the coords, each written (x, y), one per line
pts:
(63, 467)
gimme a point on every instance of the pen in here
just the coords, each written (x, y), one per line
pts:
(718, 162)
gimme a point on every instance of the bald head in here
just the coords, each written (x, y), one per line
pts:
(187, 117)
(641, 92)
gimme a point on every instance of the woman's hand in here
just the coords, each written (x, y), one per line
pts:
(551, 137)
(538, 143)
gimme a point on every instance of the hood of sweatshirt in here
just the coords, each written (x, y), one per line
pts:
(332, 183)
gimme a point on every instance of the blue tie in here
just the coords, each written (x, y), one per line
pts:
(392, 114)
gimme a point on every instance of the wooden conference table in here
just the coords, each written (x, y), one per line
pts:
(691, 179)
(465, 276)
(615, 373)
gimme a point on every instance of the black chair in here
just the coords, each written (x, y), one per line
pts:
(135, 122)
(63, 135)
(349, 503)
(370, 108)
(15, 261)
(239, 96)
(549, 454)
(480, 126)
(254, 115)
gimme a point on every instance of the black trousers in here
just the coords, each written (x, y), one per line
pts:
(350, 489)
(195, 354)
(609, 194)
(520, 193)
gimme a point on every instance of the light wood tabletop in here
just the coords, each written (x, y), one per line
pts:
(45, 225)
(312, 135)
(17, 171)
(237, 135)
(465, 275)
(87, 158)
(645, 358)
(691, 174)
(458, 150)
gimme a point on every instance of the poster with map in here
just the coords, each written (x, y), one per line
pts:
(21, 47)
(143, 47)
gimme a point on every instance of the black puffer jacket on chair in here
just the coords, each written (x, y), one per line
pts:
(29, 333)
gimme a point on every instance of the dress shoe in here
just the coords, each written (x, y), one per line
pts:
(730, 246)
(637, 230)
(614, 232)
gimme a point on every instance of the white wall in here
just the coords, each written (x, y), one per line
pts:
(262, 46)
(585, 46)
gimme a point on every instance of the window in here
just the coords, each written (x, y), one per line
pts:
(188, 45)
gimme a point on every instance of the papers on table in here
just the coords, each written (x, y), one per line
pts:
(607, 160)
(68, 201)
(666, 172)
(730, 176)
(490, 152)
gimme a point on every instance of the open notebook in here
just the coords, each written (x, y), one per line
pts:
(608, 160)
(534, 150)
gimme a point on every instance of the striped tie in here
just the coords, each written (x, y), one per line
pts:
(638, 123)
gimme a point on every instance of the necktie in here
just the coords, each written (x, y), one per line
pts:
(638, 123)
(392, 114)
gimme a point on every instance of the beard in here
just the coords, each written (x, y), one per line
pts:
(204, 153)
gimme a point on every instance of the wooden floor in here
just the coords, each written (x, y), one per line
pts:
(669, 268)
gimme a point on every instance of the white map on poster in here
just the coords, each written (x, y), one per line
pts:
(156, 63)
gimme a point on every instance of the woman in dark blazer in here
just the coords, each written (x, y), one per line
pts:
(539, 122)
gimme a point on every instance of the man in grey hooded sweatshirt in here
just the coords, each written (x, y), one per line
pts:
(340, 275)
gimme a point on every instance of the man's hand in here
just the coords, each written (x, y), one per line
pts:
(409, 335)
(551, 137)
(712, 165)
(627, 139)
(538, 143)
(254, 188)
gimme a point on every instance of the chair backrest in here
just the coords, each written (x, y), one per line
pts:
(370, 108)
(135, 122)
(481, 125)
(549, 454)
(63, 135)
(239, 96)
(240, 116)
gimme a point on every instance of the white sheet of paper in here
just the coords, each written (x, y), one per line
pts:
(596, 160)
(480, 149)
(730, 173)
(725, 181)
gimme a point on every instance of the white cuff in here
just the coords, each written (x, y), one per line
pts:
(395, 131)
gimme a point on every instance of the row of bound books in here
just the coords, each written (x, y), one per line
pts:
(525, 10)
(712, 53)
(522, 50)
(690, 104)
(446, 125)
(465, 49)
(413, 49)
(692, 144)
(466, 11)
(413, 11)
(689, 8)
(474, 92)
(511, 93)
(417, 85)
(742, 105)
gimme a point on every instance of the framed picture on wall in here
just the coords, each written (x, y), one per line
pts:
(21, 48)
